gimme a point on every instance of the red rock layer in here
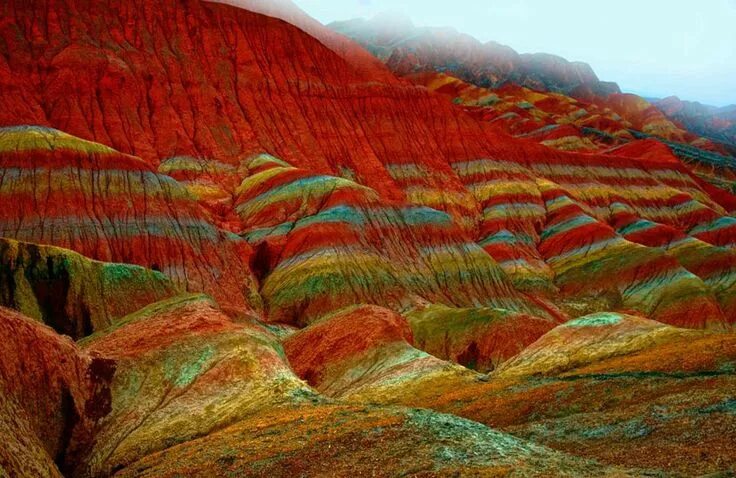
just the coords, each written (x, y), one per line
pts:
(111, 72)
(343, 46)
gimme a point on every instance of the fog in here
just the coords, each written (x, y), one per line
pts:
(650, 47)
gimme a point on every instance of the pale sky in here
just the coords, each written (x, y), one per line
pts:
(650, 47)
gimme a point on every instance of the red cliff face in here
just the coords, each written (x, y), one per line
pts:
(272, 88)
(347, 49)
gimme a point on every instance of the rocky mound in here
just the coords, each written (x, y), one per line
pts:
(183, 370)
(588, 340)
(74, 295)
(365, 349)
(113, 207)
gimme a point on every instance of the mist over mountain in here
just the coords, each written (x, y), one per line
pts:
(653, 48)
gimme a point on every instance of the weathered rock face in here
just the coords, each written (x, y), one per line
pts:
(183, 370)
(273, 88)
(362, 440)
(112, 207)
(613, 387)
(339, 359)
(591, 339)
(50, 397)
(477, 338)
(343, 46)
(74, 295)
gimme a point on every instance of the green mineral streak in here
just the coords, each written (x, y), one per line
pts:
(726, 406)
(489, 100)
(116, 273)
(596, 320)
(330, 283)
(460, 435)
(264, 159)
(24, 298)
(130, 388)
(629, 430)
(125, 274)
(184, 374)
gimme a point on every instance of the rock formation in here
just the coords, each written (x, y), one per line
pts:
(278, 258)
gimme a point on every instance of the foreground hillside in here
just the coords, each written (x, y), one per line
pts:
(238, 247)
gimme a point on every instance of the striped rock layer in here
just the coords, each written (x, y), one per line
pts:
(304, 186)
(326, 242)
(341, 128)
(113, 207)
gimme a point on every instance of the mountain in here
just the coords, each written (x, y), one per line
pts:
(544, 97)
(288, 11)
(718, 124)
(554, 119)
(278, 258)
(409, 49)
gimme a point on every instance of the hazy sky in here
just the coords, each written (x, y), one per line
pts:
(650, 47)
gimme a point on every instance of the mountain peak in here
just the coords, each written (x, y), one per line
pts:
(410, 49)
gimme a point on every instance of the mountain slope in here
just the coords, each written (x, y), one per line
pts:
(113, 207)
(408, 49)
(545, 97)
(353, 230)
(718, 124)
(348, 148)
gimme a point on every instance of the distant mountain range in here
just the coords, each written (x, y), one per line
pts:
(717, 124)
(407, 49)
